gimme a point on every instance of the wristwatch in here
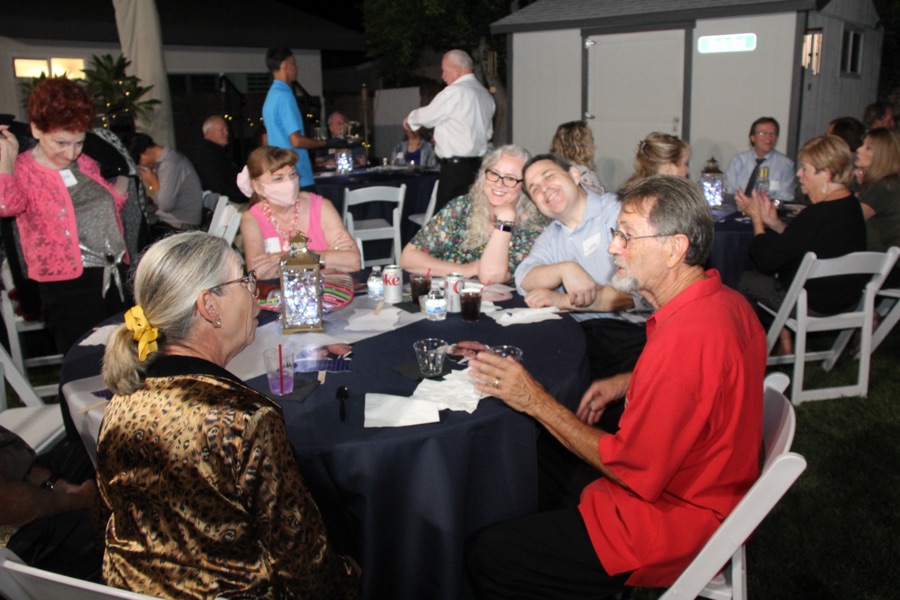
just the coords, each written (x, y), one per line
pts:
(506, 226)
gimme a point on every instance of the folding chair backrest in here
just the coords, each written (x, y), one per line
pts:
(422, 218)
(780, 470)
(875, 264)
(217, 224)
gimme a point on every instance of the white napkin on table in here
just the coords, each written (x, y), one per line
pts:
(364, 319)
(455, 392)
(516, 316)
(384, 410)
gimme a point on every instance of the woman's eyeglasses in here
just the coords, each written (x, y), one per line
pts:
(508, 180)
(249, 281)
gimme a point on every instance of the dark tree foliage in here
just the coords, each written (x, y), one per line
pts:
(889, 80)
(398, 31)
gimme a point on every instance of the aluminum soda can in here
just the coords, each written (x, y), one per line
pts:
(453, 284)
(393, 284)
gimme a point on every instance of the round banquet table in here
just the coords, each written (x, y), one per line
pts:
(411, 496)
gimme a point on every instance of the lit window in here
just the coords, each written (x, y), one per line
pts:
(812, 51)
(31, 67)
(73, 68)
(851, 52)
(733, 42)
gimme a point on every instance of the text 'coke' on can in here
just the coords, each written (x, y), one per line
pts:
(453, 284)
(393, 284)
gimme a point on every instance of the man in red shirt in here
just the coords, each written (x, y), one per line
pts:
(689, 440)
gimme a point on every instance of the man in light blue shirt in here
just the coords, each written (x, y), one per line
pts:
(782, 174)
(569, 266)
(281, 115)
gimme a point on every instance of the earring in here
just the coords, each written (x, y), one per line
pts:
(825, 188)
(218, 323)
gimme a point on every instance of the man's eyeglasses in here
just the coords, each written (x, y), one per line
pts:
(766, 134)
(508, 180)
(249, 281)
(623, 238)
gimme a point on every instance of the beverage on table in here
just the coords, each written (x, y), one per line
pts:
(419, 285)
(470, 304)
(393, 284)
(375, 284)
(436, 305)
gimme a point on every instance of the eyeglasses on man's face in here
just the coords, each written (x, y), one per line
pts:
(623, 238)
(508, 180)
(249, 282)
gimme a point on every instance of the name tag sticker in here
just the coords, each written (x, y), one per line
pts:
(774, 185)
(590, 245)
(68, 178)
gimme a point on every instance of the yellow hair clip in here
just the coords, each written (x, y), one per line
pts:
(144, 335)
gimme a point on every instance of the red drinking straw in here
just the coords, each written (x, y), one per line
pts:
(280, 369)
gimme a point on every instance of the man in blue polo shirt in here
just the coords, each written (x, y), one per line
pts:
(281, 115)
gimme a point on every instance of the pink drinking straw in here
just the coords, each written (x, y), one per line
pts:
(280, 369)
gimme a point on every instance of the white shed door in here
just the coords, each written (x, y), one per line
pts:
(635, 83)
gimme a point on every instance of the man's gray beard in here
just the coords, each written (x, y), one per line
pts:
(625, 283)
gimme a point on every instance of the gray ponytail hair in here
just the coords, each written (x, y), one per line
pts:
(169, 277)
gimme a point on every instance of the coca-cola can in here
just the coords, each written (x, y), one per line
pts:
(393, 284)
(453, 284)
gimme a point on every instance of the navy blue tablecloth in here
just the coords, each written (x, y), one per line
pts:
(730, 253)
(410, 496)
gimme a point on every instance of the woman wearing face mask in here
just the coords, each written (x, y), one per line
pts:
(279, 211)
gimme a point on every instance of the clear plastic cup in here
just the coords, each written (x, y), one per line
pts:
(430, 354)
(280, 373)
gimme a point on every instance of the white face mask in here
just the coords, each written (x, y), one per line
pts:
(282, 193)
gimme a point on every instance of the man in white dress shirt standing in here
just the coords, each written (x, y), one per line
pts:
(743, 168)
(461, 115)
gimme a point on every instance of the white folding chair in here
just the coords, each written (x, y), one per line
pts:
(780, 470)
(226, 222)
(18, 581)
(233, 225)
(795, 315)
(365, 230)
(39, 424)
(889, 311)
(422, 218)
(15, 326)
(87, 399)
(218, 223)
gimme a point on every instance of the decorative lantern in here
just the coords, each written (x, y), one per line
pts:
(344, 161)
(301, 288)
(712, 182)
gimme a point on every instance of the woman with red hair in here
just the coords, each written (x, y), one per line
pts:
(68, 216)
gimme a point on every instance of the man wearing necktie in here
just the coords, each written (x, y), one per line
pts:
(743, 169)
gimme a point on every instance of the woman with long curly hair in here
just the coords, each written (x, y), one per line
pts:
(484, 234)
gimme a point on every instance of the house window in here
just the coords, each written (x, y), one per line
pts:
(31, 67)
(26, 68)
(73, 68)
(812, 51)
(851, 52)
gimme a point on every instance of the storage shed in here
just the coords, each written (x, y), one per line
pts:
(700, 69)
